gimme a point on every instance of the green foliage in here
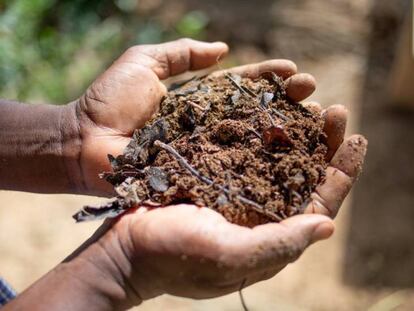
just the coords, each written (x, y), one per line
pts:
(193, 24)
(50, 50)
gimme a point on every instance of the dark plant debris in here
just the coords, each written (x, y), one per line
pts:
(233, 144)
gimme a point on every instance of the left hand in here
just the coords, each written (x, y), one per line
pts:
(125, 96)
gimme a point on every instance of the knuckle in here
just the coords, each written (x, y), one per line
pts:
(163, 64)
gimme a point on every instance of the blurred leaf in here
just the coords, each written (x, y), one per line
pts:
(126, 5)
(149, 33)
(50, 50)
(192, 24)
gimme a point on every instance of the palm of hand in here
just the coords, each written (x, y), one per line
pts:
(198, 254)
(117, 103)
(124, 97)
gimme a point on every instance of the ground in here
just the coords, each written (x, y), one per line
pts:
(37, 231)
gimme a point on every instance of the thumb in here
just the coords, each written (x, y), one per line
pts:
(175, 57)
(308, 230)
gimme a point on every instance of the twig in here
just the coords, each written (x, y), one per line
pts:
(263, 106)
(272, 121)
(193, 104)
(245, 308)
(245, 90)
(234, 82)
(257, 207)
(280, 115)
(183, 162)
(206, 110)
(260, 209)
(255, 132)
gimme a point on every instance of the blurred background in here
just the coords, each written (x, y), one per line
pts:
(360, 52)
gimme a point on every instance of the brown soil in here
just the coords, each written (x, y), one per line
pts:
(236, 145)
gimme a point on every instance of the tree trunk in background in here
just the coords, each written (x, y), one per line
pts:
(379, 250)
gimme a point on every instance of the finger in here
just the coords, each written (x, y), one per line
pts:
(274, 245)
(344, 168)
(335, 118)
(172, 58)
(315, 107)
(300, 86)
(282, 67)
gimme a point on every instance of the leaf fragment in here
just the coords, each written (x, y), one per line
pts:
(141, 146)
(158, 179)
(235, 97)
(266, 99)
(276, 135)
(111, 209)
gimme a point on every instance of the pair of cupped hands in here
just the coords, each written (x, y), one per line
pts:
(185, 250)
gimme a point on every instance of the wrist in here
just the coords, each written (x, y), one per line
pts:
(39, 148)
(94, 278)
(103, 269)
(71, 146)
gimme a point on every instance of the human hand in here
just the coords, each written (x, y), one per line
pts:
(157, 240)
(124, 97)
(194, 252)
(189, 251)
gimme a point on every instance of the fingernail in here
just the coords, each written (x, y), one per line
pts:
(322, 231)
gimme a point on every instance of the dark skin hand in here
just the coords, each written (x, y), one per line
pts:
(129, 92)
(181, 250)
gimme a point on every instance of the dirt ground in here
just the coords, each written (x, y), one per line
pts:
(37, 231)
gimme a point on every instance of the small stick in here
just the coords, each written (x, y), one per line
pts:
(280, 115)
(245, 90)
(257, 207)
(234, 82)
(183, 162)
(206, 109)
(245, 308)
(193, 104)
(283, 214)
(272, 121)
(270, 118)
(255, 132)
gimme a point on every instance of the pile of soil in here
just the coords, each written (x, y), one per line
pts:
(233, 144)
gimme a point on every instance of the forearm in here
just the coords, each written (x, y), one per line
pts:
(93, 278)
(39, 148)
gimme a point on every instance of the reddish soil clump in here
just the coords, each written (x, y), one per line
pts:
(236, 145)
